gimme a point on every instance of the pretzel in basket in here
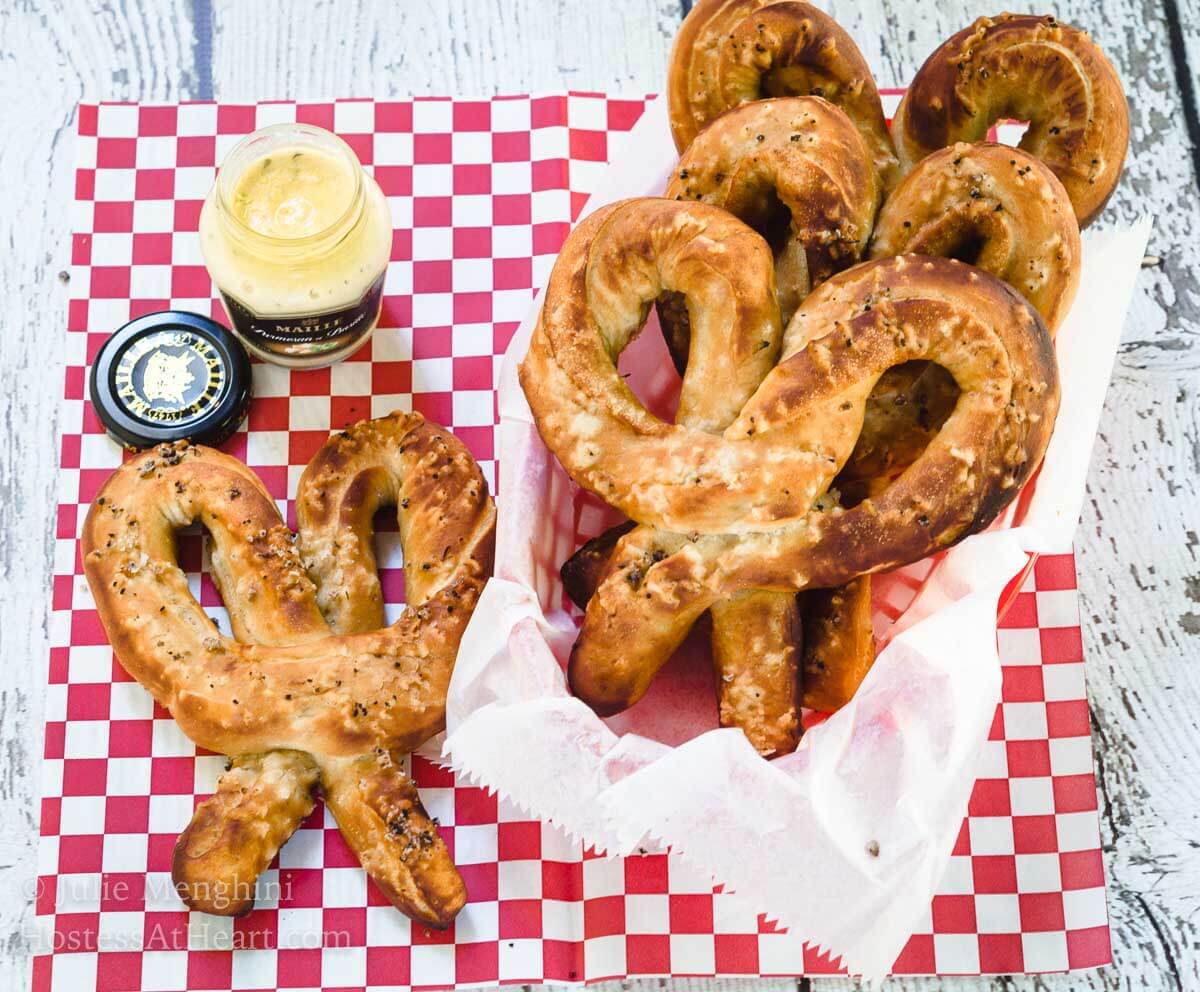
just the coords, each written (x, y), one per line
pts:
(995, 207)
(1033, 68)
(749, 507)
(797, 171)
(298, 705)
(730, 52)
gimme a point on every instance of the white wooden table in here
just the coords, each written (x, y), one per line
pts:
(1139, 540)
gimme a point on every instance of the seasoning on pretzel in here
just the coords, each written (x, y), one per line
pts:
(1032, 68)
(797, 171)
(730, 52)
(995, 207)
(296, 705)
(750, 507)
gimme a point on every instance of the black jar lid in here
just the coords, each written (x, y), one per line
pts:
(171, 375)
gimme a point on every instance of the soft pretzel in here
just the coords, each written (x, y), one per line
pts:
(291, 702)
(797, 171)
(760, 697)
(1032, 68)
(996, 207)
(750, 508)
(730, 52)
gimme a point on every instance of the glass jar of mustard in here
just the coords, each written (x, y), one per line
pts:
(297, 237)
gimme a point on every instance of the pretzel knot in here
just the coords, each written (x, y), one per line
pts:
(312, 689)
(747, 506)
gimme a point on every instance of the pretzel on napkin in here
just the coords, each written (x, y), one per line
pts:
(296, 705)
(730, 52)
(749, 507)
(1032, 68)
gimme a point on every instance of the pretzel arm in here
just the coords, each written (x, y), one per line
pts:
(839, 648)
(441, 502)
(379, 813)
(236, 833)
(755, 647)
(755, 641)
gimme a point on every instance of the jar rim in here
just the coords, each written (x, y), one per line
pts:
(323, 138)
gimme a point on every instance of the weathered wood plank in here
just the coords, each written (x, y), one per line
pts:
(1140, 577)
(51, 57)
(467, 47)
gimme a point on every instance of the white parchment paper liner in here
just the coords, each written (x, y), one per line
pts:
(844, 841)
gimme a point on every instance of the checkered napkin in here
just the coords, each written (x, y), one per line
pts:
(482, 194)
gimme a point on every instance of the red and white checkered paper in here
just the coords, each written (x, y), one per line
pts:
(482, 194)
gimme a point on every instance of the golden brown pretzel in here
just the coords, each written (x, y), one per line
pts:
(797, 171)
(1032, 68)
(730, 52)
(995, 207)
(749, 508)
(289, 700)
(755, 649)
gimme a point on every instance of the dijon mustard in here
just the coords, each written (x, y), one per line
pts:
(297, 237)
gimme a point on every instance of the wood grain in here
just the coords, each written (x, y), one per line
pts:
(1139, 540)
(53, 56)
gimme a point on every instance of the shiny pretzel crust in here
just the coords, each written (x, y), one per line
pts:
(287, 688)
(1000, 203)
(730, 52)
(1028, 67)
(797, 171)
(749, 509)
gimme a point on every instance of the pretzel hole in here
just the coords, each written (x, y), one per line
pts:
(649, 365)
(904, 412)
(193, 550)
(1010, 131)
(797, 80)
(389, 561)
(771, 218)
(967, 247)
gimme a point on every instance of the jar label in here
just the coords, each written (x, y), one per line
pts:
(307, 335)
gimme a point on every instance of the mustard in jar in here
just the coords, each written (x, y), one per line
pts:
(297, 237)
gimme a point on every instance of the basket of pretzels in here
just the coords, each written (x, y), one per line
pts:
(802, 396)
